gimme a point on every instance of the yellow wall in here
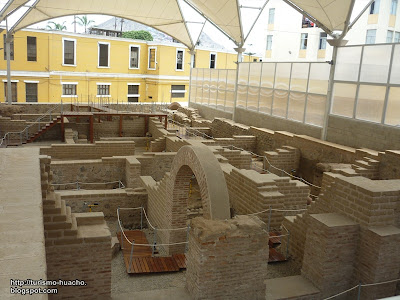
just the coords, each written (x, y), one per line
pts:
(51, 73)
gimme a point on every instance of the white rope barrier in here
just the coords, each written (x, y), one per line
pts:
(87, 183)
(147, 245)
(275, 209)
(344, 292)
(379, 283)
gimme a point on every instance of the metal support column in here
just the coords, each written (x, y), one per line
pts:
(239, 51)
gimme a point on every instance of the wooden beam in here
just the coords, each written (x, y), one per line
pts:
(165, 122)
(120, 125)
(91, 132)
(146, 124)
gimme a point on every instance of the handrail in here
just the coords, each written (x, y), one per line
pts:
(26, 129)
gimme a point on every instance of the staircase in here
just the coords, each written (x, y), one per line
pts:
(43, 129)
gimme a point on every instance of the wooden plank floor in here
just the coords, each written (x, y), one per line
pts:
(142, 261)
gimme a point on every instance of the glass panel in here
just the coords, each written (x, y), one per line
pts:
(255, 73)
(343, 99)
(220, 99)
(393, 107)
(315, 111)
(299, 77)
(296, 106)
(265, 100)
(395, 77)
(370, 102)
(199, 90)
(252, 98)
(214, 79)
(222, 79)
(213, 97)
(319, 78)
(230, 97)
(241, 95)
(347, 63)
(199, 94)
(231, 80)
(375, 65)
(282, 76)
(280, 103)
(243, 73)
(268, 73)
(206, 86)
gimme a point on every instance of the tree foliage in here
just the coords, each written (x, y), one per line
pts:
(138, 35)
(56, 26)
(83, 21)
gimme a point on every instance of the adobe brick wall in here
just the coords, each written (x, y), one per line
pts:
(89, 151)
(227, 259)
(286, 158)
(389, 167)
(329, 253)
(108, 201)
(155, 164)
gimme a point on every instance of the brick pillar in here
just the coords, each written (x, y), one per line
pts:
(227, 259)
(378, 260)
(330, 252)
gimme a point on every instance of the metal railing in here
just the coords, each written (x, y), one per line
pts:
(23, 135)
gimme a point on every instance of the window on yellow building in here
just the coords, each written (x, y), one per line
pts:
(178, 91)
(133, 92)
(69, 50)
(194, 61)
(213, 60)
(104, 55)
(13, 91)
(134, 57)
(374, 8)
(31, 48)
(103, 90)
(271, 16)
(11, 48)
(303, 41)
(179, 60)
(69, 89)
(31, 91)
(152, 58)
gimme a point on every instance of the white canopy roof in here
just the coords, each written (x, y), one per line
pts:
(167, 16)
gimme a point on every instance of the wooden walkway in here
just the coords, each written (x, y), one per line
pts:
(142, 260)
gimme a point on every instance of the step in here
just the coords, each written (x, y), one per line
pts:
(73, 230)
(94, 233)
(89, 218)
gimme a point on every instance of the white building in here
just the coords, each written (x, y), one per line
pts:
(291, 37)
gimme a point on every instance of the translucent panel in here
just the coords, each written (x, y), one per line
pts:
(282, 76)
(214, 79)
(393, 107)
(252, 98)
(265, 100)
(230, 98)
(193, 92)
(299, 77)
(370, 102)
(243, 73)
(375, 64)
(222, 79)
(268, 73)
(319, 78)
(395, 77)
(347, 63)
(231, 80)
(199, 94)
(221, 99)
(255, 74)
(344, 96)
(315, 111)
(296, 106)
(206, 87)
(241, 95)
(280, 103)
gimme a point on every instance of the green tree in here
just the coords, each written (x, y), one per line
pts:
(83, 21)
(138, 35)
(56, 26)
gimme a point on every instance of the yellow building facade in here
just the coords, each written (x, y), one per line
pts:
(49, 66)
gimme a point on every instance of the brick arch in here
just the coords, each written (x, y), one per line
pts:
(200, 161)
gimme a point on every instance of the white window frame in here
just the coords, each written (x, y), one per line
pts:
(178, 91)
(130, 57)
(30, 81)
(366, 37)
(70, 40)
(133, 95)
(391, 12)
(69, 96)
(102, 83)
(396, 37)
(183, 59)
(321, 38)
(305, 35)
(155, 58)
(387, 36)
(98, 54)
(215, 64)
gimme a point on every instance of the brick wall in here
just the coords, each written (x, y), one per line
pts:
(286, 158)
(227, 259)
(90, 151)
(389, 167)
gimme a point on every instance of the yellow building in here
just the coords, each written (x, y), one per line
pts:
(50, 66)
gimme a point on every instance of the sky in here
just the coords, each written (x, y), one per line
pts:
(254, 43)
